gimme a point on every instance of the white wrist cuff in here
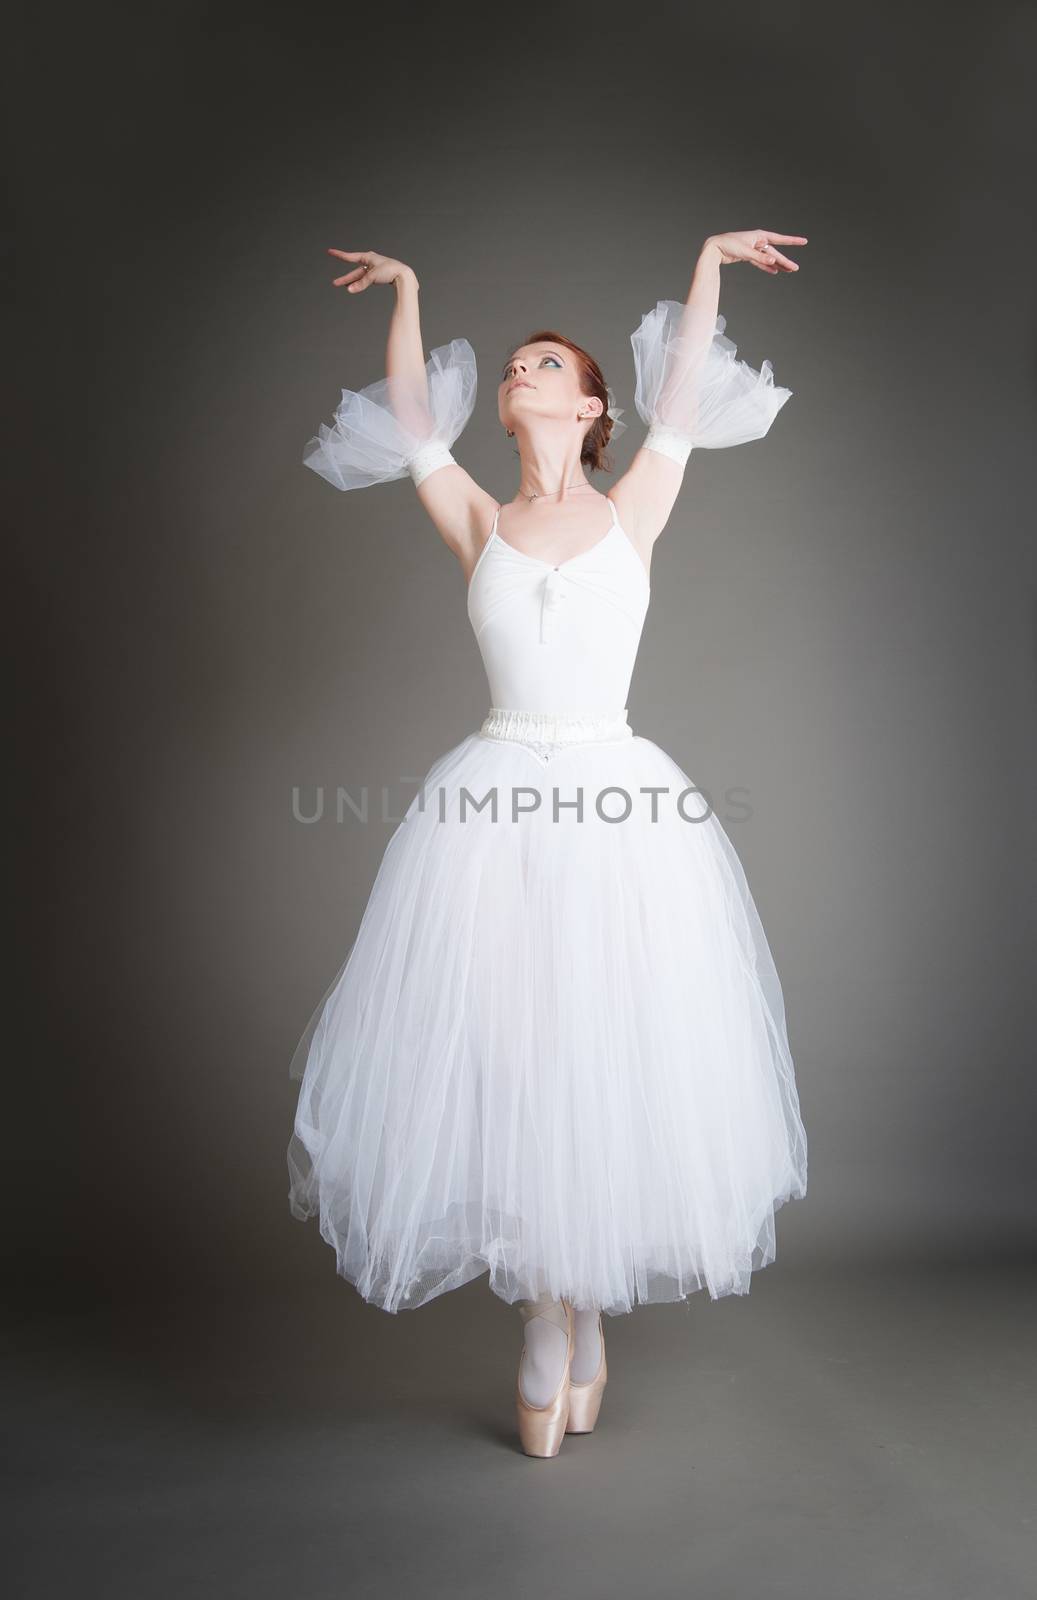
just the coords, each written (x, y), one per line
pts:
(668, 442)
(433, 454)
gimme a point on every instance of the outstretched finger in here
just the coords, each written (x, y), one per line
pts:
(783, 238)
(357, 272)
(363, 281)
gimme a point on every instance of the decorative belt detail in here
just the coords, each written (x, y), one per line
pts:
(549, 730)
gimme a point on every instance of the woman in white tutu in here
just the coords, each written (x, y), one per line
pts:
(556, 1052)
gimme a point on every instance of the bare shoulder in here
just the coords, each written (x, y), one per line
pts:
(461, 510)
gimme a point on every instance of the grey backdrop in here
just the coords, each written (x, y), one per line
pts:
(842, 617)
(842, 624)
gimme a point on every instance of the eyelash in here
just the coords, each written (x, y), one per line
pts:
(555, 359)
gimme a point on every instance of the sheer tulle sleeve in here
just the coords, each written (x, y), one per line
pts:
(692, 391)
(381, 432)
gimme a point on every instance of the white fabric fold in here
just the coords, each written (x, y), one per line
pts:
(690, 386)
(369, 441)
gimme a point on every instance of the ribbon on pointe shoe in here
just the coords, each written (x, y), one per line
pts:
(545, 1306)
(542, 1427)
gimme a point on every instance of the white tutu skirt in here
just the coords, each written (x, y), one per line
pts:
(556, 1052)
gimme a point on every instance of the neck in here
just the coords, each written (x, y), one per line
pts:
(550, 464)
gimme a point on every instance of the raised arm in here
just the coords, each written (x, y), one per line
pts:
(407, 422)
(404, 352)
(690, 390)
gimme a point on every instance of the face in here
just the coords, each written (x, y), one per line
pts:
(543, 380)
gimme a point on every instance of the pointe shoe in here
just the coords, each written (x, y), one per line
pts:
(542, 1428)
(585, 1398)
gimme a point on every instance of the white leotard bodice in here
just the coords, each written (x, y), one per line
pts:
(559, 638)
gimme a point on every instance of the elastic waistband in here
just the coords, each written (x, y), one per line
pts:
(555, 728)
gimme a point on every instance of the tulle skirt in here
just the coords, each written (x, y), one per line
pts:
(556, 1052)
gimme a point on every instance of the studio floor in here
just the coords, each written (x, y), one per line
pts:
(833, 1436)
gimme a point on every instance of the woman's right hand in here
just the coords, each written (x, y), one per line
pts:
(373, 268)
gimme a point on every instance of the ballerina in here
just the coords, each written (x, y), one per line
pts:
(556, 1052)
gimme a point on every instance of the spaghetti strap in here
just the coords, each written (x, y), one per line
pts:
(487, 546)
(612, 503)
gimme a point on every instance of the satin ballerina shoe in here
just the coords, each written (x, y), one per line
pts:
(585, 1398)
(542, 1428)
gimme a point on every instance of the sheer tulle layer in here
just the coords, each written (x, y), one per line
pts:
(688, 379)
(556, 1052)
(369, 442)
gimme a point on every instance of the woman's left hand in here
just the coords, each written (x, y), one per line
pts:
(758, 246)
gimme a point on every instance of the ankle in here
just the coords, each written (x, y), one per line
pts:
(587, 1344)
(545, 1350)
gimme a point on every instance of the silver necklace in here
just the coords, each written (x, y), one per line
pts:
(578, 484)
